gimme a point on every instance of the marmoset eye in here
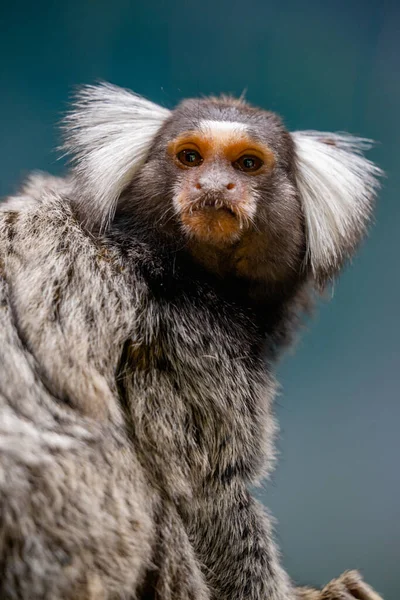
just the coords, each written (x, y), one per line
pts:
(190, 158)
(248, 163)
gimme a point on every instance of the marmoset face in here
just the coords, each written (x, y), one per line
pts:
(216, 194)
(221, 174)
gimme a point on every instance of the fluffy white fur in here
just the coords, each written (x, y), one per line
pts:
(222, 127)
(108, 133)
(337, 186)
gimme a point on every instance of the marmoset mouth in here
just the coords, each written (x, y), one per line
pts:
(213, 221)
(210, 204)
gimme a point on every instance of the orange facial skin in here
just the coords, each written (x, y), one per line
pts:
(229, 145)
(214, 225)
(216, 202)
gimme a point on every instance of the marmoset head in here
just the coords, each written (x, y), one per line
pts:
(226, 177)
(219, 160)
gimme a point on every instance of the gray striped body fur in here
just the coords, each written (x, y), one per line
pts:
(135, 409)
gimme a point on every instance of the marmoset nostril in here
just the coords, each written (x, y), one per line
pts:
(230, 186)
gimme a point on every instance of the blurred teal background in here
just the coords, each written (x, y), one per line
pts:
(321, 65)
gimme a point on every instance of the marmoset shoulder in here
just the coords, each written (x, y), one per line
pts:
(145, 299)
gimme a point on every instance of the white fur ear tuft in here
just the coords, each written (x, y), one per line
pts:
(108, 133)
(337, 187)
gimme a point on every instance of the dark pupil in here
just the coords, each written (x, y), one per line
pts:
(248, 163)
(190, 156)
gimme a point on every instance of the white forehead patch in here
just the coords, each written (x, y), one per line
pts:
(222, 127)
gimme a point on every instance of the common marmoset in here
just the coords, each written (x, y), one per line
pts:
(144, 299)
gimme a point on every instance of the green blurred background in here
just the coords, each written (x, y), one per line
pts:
(321, 65)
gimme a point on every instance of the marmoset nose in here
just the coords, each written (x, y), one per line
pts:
(214, 184)
(229, 186)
